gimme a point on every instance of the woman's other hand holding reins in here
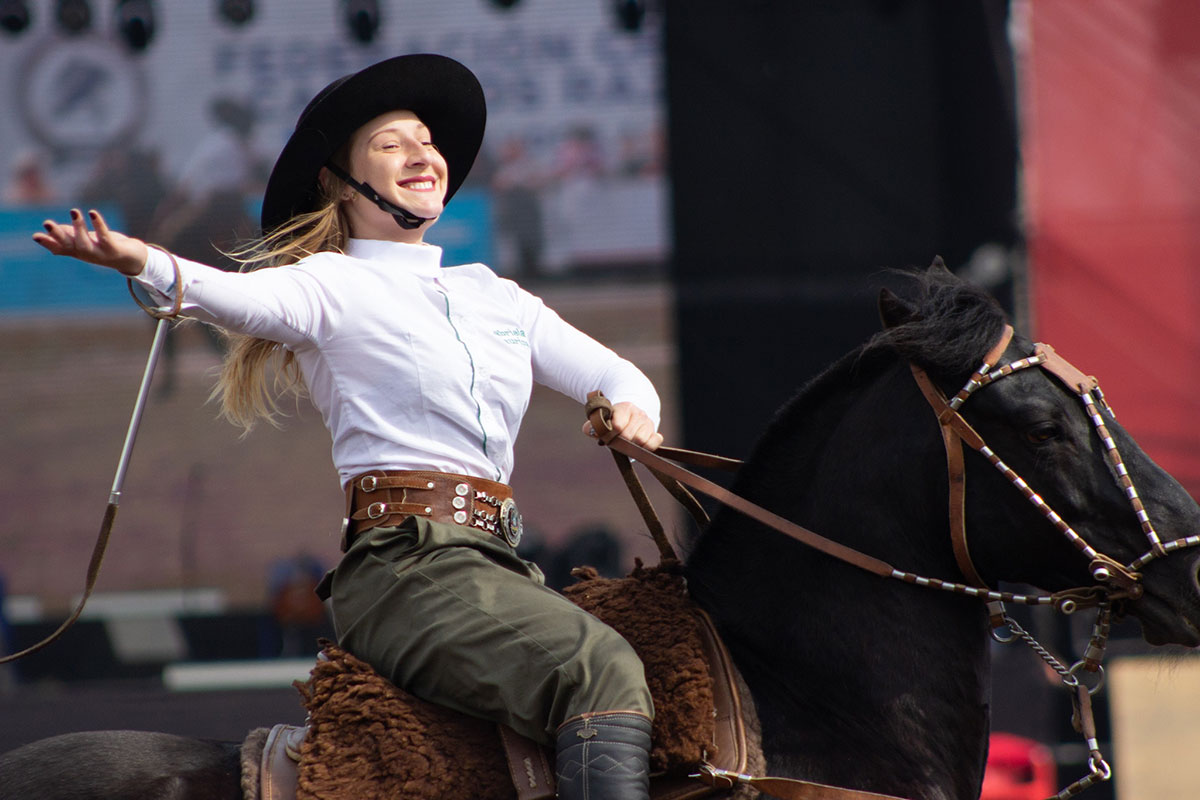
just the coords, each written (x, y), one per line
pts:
(101, 246)
(630, 422)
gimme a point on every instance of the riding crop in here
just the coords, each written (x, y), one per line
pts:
(114, 496)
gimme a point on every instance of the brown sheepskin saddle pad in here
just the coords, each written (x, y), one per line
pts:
(368, 739)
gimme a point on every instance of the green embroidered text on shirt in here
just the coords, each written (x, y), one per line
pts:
(512, 336)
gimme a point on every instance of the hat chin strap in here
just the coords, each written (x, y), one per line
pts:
(404, 218)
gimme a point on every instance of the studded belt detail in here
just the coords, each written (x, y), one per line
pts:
(384, 497)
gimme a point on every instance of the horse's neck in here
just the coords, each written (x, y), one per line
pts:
(856, 677)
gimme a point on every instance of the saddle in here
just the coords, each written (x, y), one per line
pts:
(367, 738)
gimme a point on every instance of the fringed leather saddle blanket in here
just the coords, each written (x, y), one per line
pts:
(369, 740)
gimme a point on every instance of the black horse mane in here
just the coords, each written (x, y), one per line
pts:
(940, 322)
(950, 325)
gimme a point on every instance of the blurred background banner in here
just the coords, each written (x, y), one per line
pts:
(813, 146)
(203, 105)
(30, 283)
(1111, 105)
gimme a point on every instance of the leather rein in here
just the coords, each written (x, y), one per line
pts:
(1113, 581)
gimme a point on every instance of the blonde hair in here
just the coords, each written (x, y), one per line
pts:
(256, 372)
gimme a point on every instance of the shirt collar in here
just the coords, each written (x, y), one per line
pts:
(420, 259)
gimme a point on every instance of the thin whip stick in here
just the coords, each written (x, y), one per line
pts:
(114, 496)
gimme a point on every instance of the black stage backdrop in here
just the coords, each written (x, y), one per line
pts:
(814, 145)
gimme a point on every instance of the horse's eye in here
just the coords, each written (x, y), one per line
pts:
(1040, 434)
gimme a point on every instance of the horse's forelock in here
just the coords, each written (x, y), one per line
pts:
(952, 327)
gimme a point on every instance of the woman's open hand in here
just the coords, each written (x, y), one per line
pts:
(630, 422)
(101, 246)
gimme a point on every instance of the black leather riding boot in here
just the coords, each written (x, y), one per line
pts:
(604, 756)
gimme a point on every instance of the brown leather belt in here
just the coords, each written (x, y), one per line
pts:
(385, 497)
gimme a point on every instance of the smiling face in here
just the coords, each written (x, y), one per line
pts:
(395, 154)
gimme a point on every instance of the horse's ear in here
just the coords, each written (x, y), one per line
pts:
(893, 311)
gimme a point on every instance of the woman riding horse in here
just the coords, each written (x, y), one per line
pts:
(422, 374)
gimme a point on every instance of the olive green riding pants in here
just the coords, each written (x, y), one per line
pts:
(454, 616)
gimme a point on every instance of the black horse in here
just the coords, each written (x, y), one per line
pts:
(859, 681)
(877, 684)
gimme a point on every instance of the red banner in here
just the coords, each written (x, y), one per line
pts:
(1111, 140)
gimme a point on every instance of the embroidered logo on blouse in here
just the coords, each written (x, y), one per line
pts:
(512, 336)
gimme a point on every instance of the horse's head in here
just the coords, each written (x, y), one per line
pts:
(1100, 511)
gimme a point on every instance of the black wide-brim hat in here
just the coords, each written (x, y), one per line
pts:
(442, 92)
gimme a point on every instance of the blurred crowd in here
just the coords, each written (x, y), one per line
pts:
(542, 192)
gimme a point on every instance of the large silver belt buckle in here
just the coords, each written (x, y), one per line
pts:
(510, 522)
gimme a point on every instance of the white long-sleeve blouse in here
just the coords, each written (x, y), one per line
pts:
(411, 364)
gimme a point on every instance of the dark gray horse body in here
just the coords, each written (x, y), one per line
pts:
(860, 681)
(122, 765)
